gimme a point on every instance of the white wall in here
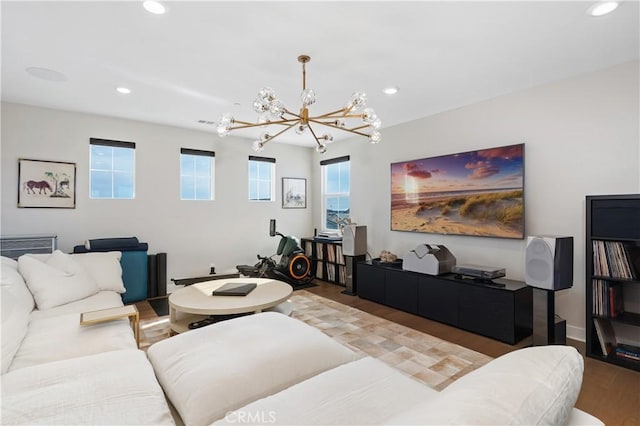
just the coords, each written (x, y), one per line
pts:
(194, 234)
(581, 138)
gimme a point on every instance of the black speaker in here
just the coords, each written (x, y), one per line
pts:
(549, 262)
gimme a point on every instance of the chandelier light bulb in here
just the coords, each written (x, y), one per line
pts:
(376, 124)
(321, 148)
(328, 137)
(267, 94)
(223, 131)
(340, 122)
(300, 128)
(259, 106)
(375, 137)
(276, 109)
(226, 120)
(358, 100)
(265, 137)
(308, 97)
(258, 146)
(369, 115)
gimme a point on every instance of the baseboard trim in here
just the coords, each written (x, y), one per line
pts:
(576, 333)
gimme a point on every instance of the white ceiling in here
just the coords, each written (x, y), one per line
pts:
(201, 58)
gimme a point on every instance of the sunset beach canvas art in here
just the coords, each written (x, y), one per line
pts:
(479, 193)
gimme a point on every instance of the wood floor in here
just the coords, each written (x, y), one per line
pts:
(609, 392)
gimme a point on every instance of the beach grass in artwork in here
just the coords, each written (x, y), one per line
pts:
(477, 193)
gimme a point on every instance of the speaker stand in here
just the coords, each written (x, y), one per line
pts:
(548, 328)
(349, 279)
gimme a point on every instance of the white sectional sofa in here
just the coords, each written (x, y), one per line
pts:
(55, 371)
(261, 369)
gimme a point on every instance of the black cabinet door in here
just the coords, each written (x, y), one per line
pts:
(401, 291)
(438, 299)
(488, 312)
(370, 282)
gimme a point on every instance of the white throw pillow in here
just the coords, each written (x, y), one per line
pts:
(58, 281)
(104, 267)
(7, 262)
(532, 386)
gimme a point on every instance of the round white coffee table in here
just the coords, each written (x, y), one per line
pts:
(195, 302)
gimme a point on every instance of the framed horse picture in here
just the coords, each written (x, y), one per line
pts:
(46, 184)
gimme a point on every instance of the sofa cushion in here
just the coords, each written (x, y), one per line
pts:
(58, 281)
(362, 392)
(100, 300)
(8, 262)
(104, 268)
(531, 386)
(17, 304)
(112, 388)
(62, 337)
(209, 371)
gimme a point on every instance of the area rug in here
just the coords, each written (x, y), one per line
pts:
(427, 359)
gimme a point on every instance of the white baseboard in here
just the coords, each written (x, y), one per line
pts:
(576, 333)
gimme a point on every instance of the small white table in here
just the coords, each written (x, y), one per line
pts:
(111, 314)
(195, 302)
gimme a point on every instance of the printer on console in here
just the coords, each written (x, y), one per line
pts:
(429, 259)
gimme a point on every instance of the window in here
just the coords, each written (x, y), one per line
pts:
(261, 178)
(336, 185)
(111, 170)
(196, 174)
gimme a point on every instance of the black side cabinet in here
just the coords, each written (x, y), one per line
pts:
(502, 313)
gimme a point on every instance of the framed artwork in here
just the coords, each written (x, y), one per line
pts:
(477, 193)
(46, 184)
(294, 193)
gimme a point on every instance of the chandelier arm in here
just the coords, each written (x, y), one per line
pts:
(246, 125)
(339, 116)
(364, 126)
(329, 114)
(279, 133)
(314, 135)
(291, 113)
(339, 128)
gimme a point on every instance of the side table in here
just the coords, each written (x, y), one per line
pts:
(110, 314)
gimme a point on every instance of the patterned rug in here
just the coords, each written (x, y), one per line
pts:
(428, 359)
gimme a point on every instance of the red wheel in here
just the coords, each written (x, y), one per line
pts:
(299, 266)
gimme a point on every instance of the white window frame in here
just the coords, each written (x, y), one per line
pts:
(114, 145)
(199, 153)
(324, 164)
(272, 179)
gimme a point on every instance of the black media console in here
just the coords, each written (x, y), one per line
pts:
(503, 311)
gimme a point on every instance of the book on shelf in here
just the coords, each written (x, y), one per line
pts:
(608, 298)
(628, 352)
(606, 335)
(339, 256)
(308, 248)
(614, 259)
(319, 251)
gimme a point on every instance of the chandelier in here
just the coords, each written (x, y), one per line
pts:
(272, 112)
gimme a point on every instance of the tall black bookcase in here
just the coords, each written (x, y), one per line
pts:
(613, 279)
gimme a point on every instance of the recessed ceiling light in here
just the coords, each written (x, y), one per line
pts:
(602, 8)
(123, 90)
(154, 7)
(46, 74)
(390, 90)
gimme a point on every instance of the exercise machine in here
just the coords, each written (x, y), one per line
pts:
(293, 266)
